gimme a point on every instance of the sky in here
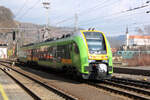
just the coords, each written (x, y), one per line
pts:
(110, 16)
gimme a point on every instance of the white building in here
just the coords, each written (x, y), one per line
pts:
(3, 52)
(138, 40)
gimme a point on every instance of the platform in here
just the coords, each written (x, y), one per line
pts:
(9, 90)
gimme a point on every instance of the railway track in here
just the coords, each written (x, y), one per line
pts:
(134, 89)
(40, 83)
(132, 71)
(137, 90)
(137, 83)
(83, 88)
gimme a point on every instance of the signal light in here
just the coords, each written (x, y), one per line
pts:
(14, 35)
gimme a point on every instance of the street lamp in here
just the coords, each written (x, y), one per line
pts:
(46, 5)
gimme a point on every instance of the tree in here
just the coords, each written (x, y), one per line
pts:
(147, 29)
(139, 30)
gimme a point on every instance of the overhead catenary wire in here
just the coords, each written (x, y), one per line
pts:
(121, 12)
(72, 17)
(87, 11)
(98, 7)
(21, 8)
(125, 11)
(128, 10)
(29, 9)
(94, 7)
(106, 20)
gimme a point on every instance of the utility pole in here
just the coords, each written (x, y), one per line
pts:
(18, 41)
(76, 22)
(127, 37)
(76, 16)
(46, 5)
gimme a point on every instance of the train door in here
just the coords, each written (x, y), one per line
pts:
(32, 52)
(75, 56)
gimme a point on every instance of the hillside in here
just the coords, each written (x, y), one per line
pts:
(6, 19)
(33, 33)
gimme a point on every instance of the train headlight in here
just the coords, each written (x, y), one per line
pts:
(105, 61)
(91, 61)
(102, 67)
(90, 57)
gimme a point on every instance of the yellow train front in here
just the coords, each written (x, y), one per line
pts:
(99, 55)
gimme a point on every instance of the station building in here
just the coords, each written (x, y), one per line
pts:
(138, 40)
(3, 51)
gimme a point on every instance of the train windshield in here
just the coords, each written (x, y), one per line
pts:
(95, 42)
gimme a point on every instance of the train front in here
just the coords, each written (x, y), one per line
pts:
(99, 56)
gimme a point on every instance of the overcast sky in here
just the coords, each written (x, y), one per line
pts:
(104, 15)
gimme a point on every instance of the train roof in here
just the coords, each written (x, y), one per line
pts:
(64, 37)
(50, 40)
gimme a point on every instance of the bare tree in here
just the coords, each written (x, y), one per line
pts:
(147, 29)
(139, 30)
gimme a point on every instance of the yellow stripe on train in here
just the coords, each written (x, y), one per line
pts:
(98, 57)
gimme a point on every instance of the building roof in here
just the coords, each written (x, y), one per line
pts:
(139, 37)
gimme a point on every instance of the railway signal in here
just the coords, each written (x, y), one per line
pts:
(14, 35)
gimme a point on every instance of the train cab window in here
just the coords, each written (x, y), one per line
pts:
(95, 42)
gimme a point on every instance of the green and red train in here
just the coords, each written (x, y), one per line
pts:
(85, 53)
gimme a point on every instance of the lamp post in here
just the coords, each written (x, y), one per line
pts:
(46, 5)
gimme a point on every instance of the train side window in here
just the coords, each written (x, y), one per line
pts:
(66, 52)
(54, 52)
(70, 47)
(60, 51)
(76, 49)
